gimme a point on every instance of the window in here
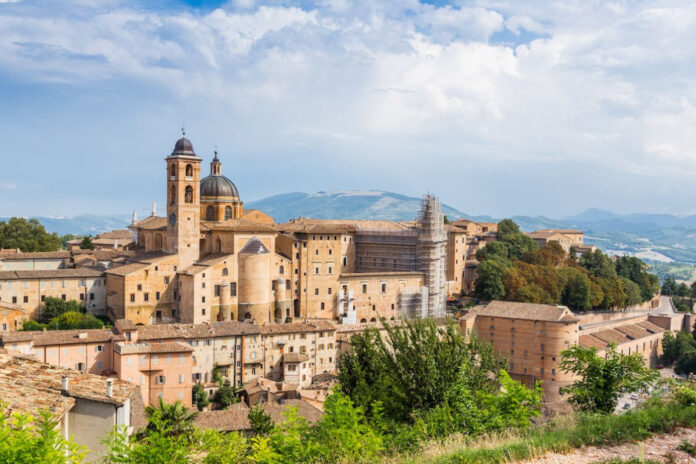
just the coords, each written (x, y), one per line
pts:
(322, 305)
(80, 366)
(225, 272)
(91, 297)
(228, 212)
(146, 297)
(99, 348)
(316, 252)
(210, 213)
(330, 270)
(316, 291)
(161, 380)
(166, 280)
(14, 299)
(62, 297)
(157, 296)
(281, 270)
(345, 261)
(364, 288)
(189, 170)
(202, 299)
(384, 287)
(233, 289)
(330, 289)
(188, 196)
(26, 298)
(217, 290)
(158, 314)
(203, 310)
(181, 378)
(316, 269)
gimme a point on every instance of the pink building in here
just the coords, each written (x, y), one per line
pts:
(162, 370)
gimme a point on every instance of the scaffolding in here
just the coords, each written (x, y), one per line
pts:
(432, 254)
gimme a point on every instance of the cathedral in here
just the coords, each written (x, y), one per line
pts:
(209, 259)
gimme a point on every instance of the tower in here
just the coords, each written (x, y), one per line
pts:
(219, 196)
(183, 202)
(432, 255)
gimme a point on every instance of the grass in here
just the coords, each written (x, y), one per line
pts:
(560, 435)
(628, 461)
(687, 447)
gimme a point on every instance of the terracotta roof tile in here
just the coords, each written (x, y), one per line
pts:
(50, 274)
(530, 311)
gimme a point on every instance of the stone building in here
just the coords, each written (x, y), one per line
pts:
(226, 263)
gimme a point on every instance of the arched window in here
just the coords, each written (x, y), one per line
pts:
(228, 212)
(225, 271)
(189, 194)
(218, 245)
(189, 170)
(363, 320)
(247, 316)
(158, 241)
(172, 195)
(282, 269)
(373, 319)
(210, 213)
(172, 171)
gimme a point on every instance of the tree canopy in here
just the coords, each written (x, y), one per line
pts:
(28, 235)
(515, 269)
(603, 378)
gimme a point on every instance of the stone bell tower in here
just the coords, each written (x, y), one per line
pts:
(183, 203)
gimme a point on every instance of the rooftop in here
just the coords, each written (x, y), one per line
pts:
(529, 311)
(155, 347)
(58, 337)
(294, 327)
(50, 274)
(29, 386)
(186, 331)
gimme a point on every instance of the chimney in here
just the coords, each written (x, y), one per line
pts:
(116, 244)
(82, 335)
(110, 388)
(64, 385)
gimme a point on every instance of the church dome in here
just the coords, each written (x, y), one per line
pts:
(183, 146)
(218, 186)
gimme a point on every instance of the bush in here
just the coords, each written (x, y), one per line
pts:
(75, 320)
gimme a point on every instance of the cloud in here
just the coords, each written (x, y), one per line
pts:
(607, 84)
(8, 186)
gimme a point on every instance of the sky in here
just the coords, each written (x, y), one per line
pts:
(499, 107)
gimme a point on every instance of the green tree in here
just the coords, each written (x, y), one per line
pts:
(199, 396)
(225, 395)
(632, 291)
(414, 367)
(261, 423)
(507, 228)
(446, 220)
(53, 307)
(669, 287)
(157, 446)
(598, 264)
(31, 325)
(220, 448)
(344, 433)
(493, 250)
(603, 379)
(75, 320)
(25, 439)
(172, 420)
(86, 243)
(670, 349)
(577, 292)
(27, 235)
(489, 283)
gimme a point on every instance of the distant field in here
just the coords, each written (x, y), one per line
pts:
(685, 272)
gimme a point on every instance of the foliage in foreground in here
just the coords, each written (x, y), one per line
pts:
(28, 235)
(657, 416)
(603, 379)
(421, 381)
(25, 439)
(680, 350)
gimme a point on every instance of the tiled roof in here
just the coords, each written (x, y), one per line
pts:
(634, 331)
(151, 223)
(590, 341)
(254, 247)
(139, 262)
(611, 336)
(58, 337)
(50, 274)
(313, 227)
(155, 347)
(35, 255)
(10, 306)
(116, 234)
(191, 331)
(304, 409)
(651, 327)
(30, 386)
(294, 327)
(529, 311)
(233, 419)
(238, 225)
(295, 358)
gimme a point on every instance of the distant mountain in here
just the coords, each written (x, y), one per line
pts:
(657, 237)
(345, 204)
(84, 224)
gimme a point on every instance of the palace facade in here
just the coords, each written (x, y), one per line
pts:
(211, 260)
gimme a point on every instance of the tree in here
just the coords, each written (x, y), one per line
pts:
(446, 220)
(225, 395)
(669, 287)
(54, 307)
(86, 243)
(261, 423)
(344, 432)
(493, 250)
(25, 439)
(414, 367)
(173, 420)
(200, 396)
(576, 294)
(670, 350)
(598, 264)
(603, 379)
(31, 325)
(27, 235)
(507, 228)
(489, 283)
(75, 320)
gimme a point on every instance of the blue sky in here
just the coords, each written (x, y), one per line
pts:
(499, 107)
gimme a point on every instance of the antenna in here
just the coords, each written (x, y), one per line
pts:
(183, 129)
